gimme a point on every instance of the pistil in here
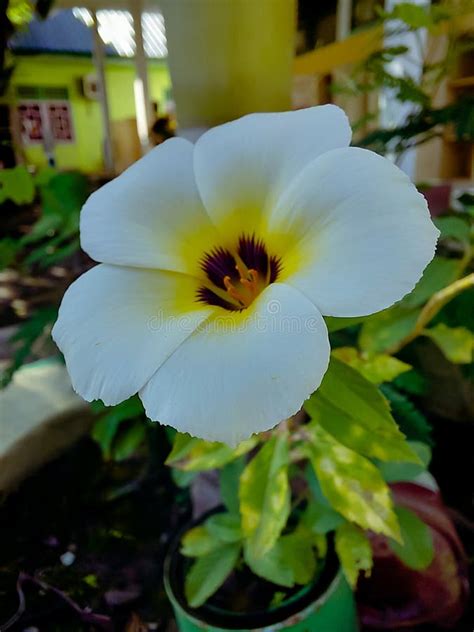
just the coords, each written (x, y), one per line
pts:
(247, 289)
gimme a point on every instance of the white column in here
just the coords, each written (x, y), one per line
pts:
(143, 107)
(99, 62)
(343, 19)
(394, 112)
(228, 58)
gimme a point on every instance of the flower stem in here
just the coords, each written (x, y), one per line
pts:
(432, 307)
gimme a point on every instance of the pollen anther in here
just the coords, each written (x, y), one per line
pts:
(247, 288)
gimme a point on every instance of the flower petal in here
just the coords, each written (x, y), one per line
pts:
(365, 233)
(242, 166)
(151, 215)
(241, 373)
(116, 326)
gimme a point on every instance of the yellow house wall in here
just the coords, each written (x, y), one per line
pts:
(66, 71)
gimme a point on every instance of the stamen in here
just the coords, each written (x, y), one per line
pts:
(225, 295)
(252, 282)
(235, 293)
(236, 277)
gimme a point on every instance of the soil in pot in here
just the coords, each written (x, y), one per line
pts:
(244, 592)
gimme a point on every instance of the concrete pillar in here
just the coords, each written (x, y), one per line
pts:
(143, 108)
(343, 19)
(228, 58)
(99, 62)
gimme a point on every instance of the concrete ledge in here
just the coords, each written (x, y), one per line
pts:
(40, 415)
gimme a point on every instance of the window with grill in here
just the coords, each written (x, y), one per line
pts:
(45, 122)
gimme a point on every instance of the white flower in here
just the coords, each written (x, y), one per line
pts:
(219, 260)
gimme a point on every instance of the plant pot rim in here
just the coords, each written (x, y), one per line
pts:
(314, 594)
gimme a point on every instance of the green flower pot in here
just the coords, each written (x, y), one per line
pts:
(327, 605)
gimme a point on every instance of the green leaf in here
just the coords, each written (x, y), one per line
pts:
(410, 420)
(453, 227)
(290, 561)
(229, 482)
(407, 90)
(20, 12)
(183, 443)
(458, 311)
(63, 195)
(209, 572)
(8, 251)
(56, 233)
(457, 343)
(467, 201)
(383, 441)
(182, 479)
(271, 566)
(417, 550)
(17, 185)
(348, 390)
(225, 527)
(413, 15)
(106, 427)
(128, 441)
(320, 519)
(353, 410)
(387, 328)
(376, 368)
(103, 432)
(44, 175)
(277, 599)
(198, 541)
(193, 455)
(298, 554)
(265, 495)
(394, 472)
(354, 552)
(412, 382)
(352, 484)
(335, 324)
(48, 254)
(316, 525)
(34, 329)
(315, 486)
(437, 275)
(44, 227)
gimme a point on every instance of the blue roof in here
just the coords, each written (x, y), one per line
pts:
(61, 32)
(68, 31)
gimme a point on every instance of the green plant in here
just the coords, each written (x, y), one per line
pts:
(329, 470)
(404, 71)
(55, 233)
(54, 201)
(119, 430)
(284, 491)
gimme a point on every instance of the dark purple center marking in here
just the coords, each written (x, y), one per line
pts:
(236, 279)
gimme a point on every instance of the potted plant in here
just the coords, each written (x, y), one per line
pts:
(286, 547)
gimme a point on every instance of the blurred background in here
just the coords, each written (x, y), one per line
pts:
(88, 503)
